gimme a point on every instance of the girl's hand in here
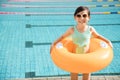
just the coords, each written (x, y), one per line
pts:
(110, 44)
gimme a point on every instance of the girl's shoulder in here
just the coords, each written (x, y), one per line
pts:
(91, 28)
(71, 28)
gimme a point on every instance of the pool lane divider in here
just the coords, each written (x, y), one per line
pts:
(105, 12)
(62, 1)
(102, 0)
(28, 6)
(57, 13)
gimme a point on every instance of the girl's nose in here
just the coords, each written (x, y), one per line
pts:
(82, 17)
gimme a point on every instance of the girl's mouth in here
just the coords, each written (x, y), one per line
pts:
(82, 22)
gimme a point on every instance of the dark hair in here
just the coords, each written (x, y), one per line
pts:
(82, 8)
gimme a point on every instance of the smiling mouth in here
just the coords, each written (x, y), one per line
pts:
(82, 22)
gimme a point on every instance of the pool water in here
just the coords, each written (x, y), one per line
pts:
(27, 30)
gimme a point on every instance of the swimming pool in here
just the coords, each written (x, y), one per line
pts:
(25, 38)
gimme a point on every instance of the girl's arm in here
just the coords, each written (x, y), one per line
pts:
(95, 34)
(66, 34)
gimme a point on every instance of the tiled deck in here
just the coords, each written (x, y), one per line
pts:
(115, 77)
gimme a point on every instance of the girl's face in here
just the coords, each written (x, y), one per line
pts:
(82, 18)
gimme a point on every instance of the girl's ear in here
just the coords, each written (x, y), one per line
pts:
(89, 17)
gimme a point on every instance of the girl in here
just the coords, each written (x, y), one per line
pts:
(81, 34)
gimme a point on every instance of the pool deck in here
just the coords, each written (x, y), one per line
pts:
(106, 77)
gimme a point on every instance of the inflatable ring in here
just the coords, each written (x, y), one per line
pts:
(100, 56)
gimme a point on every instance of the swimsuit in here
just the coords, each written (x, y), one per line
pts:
(81, 39)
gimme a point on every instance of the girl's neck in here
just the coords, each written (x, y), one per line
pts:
(82, 28)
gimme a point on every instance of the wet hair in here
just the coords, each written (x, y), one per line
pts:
(80, 9)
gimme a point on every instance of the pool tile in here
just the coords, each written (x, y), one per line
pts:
(28, 44)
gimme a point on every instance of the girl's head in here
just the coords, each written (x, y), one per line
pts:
(80, 9)
(82, 15)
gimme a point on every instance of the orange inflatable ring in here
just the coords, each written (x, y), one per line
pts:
(99, 57)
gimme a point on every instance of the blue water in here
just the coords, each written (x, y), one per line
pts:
(25, 39)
